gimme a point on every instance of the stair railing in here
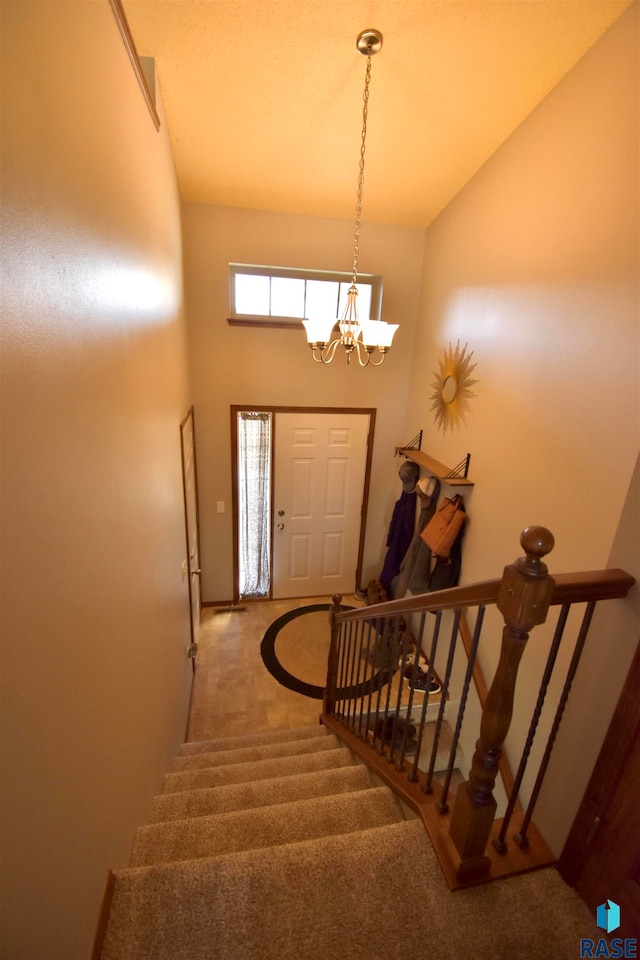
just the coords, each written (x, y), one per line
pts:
(379, 701)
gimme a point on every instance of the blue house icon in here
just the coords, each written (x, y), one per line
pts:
(608, 916)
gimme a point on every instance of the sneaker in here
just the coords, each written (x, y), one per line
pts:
(420, 683)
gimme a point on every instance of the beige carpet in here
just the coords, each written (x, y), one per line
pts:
(314, 862)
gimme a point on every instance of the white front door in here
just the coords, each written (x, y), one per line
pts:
(319, 476)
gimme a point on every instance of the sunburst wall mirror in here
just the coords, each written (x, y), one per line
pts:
(452, 387)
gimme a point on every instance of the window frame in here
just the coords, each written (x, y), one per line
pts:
(295, 273)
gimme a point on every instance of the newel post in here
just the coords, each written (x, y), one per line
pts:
(330, 690)
(523, 599)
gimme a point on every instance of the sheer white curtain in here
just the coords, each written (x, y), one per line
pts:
(254, 479)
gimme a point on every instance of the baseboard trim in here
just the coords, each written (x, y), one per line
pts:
(103, 917)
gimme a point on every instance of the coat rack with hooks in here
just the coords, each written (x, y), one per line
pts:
(456, 476)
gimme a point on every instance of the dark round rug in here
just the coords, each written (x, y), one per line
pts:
(307, 634)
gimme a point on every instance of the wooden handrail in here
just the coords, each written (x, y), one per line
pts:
(594, 585)
(569, 588)
(473, 594)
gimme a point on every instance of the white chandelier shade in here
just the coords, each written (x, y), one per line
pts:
(377, 333)
(361, 336)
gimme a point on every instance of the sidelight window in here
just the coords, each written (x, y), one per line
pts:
(254, 497)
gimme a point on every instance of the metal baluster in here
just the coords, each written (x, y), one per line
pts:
(390, 660)
(400, 761)
(499, 841)
(413, 775)
(349, 679)
(427, 786)
(521, 838)
(403, 650)
(381, 642)
(345, 682)
(330, 693)
(358, 695)
(355, 672)
(370, 669)
(373, 633)
(341, 672)
(443, 807)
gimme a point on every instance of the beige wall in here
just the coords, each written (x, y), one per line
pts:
(94, 610)
(233, 365)
(535, 266)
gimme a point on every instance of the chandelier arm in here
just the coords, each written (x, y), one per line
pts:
(377, 363)
(360, 349)
(329, 351)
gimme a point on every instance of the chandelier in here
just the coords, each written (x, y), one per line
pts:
(358, 336)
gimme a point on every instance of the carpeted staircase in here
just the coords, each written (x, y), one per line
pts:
(281, 847)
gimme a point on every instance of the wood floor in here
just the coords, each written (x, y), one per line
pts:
(233, 692)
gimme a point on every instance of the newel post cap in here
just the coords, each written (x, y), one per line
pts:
(526, 588)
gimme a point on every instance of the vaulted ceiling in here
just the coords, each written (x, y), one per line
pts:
(264, 97)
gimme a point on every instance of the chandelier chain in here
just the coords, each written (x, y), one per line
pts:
(358, 338)
(365, 112)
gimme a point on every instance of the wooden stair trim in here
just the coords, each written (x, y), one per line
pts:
(482, 690)
(409, 793)
(103, 916)
(514, 861)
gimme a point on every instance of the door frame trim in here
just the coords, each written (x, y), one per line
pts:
(620, 739)
(190, 416)
(275, 410)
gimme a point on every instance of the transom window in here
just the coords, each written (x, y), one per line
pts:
(284, 296)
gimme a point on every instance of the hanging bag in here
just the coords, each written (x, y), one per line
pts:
(445, 525)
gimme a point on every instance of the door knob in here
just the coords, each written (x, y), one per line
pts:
(281, 526)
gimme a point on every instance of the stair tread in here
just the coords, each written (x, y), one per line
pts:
(283, 748)
(270, 904)
(266, 826)
(258, 770)
(243, 796)
(253, 739)
(375, 894)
